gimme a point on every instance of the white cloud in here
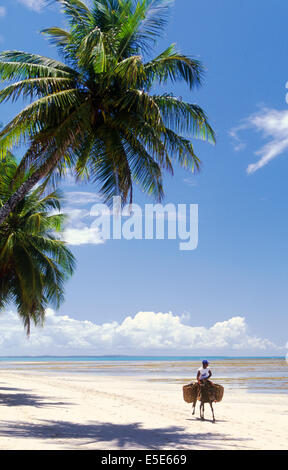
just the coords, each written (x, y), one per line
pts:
(190, 181)
(79, 230)
(272, 124)
(35, 5)
(2, 12)
(82, 236)
(81, 197)
(146, 332)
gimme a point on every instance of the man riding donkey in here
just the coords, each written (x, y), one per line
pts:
(203, 390)
(206, 391)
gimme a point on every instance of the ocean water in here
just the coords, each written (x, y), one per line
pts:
(252, 374)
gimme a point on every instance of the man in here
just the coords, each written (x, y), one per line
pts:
(204, 373)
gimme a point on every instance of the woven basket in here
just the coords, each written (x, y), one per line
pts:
(219, 392)
(190, 392)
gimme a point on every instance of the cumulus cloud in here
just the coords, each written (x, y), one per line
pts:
(273, 125)
(79, 229)
(146, 332)
(82, 236)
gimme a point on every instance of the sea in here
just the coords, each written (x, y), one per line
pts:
(250, 374)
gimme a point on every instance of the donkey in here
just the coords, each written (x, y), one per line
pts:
(206, 394)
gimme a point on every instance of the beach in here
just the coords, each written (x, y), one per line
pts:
(49, 411)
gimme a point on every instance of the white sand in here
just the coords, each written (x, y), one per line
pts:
(40, 411)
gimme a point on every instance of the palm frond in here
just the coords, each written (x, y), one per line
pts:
(57, 36)
(143, 104)
(31, 119)
(131, 72)
(174, 66)
(157, 14)
(77, 13)
(17, 65)
(35, 86)
(181, 150)
(91, 51)
(184, 117)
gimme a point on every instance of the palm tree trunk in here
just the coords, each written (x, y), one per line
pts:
(24, 189)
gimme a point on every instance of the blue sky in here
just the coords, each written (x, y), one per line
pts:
(230, 294)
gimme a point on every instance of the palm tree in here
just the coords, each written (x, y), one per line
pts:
(98, 111)
(34, 263)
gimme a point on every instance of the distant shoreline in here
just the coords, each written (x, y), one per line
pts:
(263, 374)
(135, 357)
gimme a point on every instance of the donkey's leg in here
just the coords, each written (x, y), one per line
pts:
(202, 410)
(193, 407)
(212, 410)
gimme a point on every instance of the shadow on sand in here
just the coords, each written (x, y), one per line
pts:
(116, 435)
(123, 436)
(24, 399)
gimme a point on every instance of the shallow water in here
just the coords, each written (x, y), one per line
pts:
(268, 375)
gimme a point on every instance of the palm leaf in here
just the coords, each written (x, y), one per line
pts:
(31, 120)
(184, 117)
(174, 66)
